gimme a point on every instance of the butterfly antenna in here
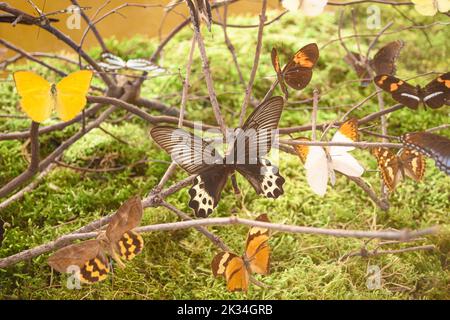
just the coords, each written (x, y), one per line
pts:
(380, 135)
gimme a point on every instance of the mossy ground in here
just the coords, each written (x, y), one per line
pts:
(176, 265)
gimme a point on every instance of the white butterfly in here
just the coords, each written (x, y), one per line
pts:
(308, 7)
(112, 62)
(431, 7)
(321, 163)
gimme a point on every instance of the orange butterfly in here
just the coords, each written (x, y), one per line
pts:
(237, 270)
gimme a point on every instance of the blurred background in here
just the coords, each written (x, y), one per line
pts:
(126, 22)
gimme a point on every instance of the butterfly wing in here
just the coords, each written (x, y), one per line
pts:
(196, 156)
(125, 219)
(437, 92)
(87, 256)
(129, 245)
(233, 268)
(316, 166)
(400, 90)
(413, 163)
(389, 167)
(71, 94)
(189, 151)
(258, 132)
(111, 62)
(385, 59)
(347, 164)
(36, 97)
(435, 146)
(277, 68)
(298, 72)
(425, 7)
(348, 132)
(360, 69)
(443, 5)
(264, 177)
(207, 188)
(143, 65)
(257, 250)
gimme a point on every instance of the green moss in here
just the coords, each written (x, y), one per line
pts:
(176, 265)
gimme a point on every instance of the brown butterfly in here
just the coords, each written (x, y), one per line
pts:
(434, 146)
(89, 259)
(434, 95)
(382, 63)
(251, 144)
(298, 71)
(237, 270)
(394, 167)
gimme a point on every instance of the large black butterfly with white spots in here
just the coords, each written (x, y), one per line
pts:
(251, 143)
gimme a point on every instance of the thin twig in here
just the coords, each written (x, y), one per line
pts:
(248, 91)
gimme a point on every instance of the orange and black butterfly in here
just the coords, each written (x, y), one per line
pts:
(382, 63)
(236, 269)
(395, 167)
(434, 95)
(89, 259)
(297, 73)
(432, 145)
(250, 145)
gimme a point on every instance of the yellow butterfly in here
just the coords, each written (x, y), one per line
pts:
(39, 97)
(431, 7)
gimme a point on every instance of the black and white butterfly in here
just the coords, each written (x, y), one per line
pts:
(112, 62)
(250, 144)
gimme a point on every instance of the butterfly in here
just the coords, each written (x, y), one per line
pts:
(298, 71)
(237, 270)
(308, 7)
(39, 97)
(431, 7)
(395, 167)
(434, 95)
(320, 163)
(432, 145)
(382, 63)
(251, 143)
(118, 241)
(112, 62)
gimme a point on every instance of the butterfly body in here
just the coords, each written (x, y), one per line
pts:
(297, 73)
(249, 146)
(112, 62)
(434, 95)
(321, 163)
(394, 168)
(89, 259)
(40, 97)
(236, 269)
